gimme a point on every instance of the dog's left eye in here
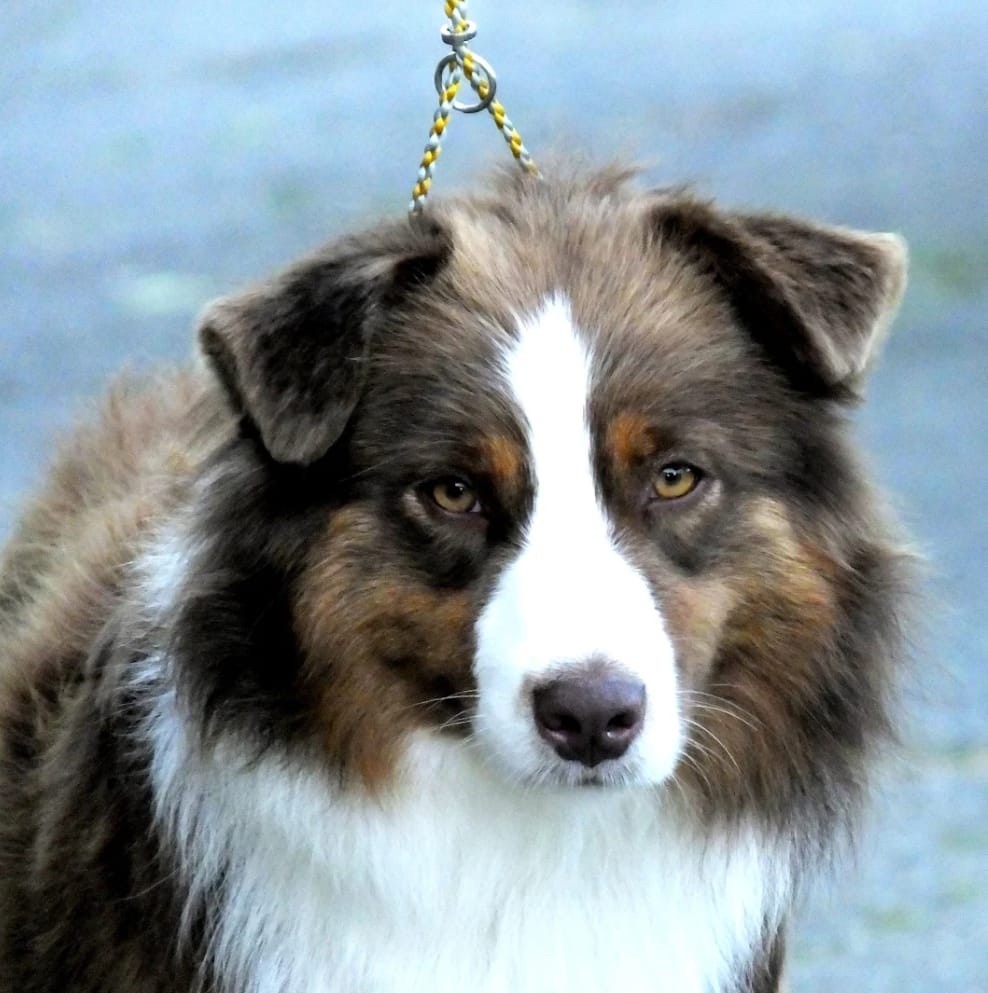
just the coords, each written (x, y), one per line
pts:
(455, 496)
(676, 480)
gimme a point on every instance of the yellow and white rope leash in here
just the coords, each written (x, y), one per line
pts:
(459, 64)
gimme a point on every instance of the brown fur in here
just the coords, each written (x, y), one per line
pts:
(328, 609)
(400, 652)
(64, 574)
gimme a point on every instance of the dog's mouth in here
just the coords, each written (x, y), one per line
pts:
(593, 782)
(574, 776)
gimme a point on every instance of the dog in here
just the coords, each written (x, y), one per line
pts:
(498, 604)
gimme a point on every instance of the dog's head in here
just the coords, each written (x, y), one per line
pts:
(562, 471)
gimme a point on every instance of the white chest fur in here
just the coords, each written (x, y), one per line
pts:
(458, 882)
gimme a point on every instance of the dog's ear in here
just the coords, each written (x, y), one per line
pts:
(818, 299)
(293, 353)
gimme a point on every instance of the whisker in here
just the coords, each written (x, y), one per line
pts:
(464, 695)
(723, 747)
(457, 720)
(741, 718)
(690, 762)
(699, 700)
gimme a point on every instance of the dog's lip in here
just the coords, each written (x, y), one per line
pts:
(598, 778)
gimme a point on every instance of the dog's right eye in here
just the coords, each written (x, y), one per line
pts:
(455, 496)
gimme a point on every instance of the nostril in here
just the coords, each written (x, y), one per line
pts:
(562, 722)
(624, 721)
(590, 715)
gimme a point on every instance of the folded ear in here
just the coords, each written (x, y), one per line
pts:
(818, 299)
(293, 353)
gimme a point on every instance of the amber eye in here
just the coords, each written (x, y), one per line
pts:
(453, 495)
(676, 480)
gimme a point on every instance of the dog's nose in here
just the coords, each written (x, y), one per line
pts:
(590, 717)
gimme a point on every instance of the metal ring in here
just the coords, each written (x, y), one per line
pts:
(444, 64)
(452, 37)
(489, 78)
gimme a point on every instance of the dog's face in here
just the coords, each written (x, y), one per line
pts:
(569, 482)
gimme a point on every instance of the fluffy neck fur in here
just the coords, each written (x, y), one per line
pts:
(453, 874)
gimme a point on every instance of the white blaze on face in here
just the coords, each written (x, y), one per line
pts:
(570, 595)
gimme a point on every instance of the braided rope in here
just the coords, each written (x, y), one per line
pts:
(450, 73)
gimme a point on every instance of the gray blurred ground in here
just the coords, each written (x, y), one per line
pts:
(152, 155)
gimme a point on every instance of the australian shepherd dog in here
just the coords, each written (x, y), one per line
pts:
(499, 605)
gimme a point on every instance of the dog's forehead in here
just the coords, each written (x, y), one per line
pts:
(654, 330)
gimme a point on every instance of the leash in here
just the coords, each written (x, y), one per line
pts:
(462, 64)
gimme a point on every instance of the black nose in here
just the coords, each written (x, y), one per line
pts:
(590, 717)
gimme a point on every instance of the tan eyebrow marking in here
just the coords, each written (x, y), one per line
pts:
(631, 438)
(504, 460)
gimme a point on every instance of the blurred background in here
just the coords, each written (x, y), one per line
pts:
(154, 155)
